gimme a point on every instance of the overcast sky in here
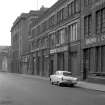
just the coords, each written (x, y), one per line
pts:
(10, 9)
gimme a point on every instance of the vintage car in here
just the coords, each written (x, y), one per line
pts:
(63, 77)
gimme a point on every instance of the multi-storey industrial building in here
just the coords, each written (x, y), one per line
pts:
(93, 39)
(20, 35)
(67, 36)
(56, 39)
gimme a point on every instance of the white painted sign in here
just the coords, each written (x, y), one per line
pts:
(91, 40)
(60, 49)
(95, 39)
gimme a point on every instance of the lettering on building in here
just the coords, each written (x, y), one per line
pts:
(95, 40)
(91, 40)
(60, 49)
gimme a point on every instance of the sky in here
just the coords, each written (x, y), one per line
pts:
(11, 9)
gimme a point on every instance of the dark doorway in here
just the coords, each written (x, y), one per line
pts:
(74, 63)
(60, 63)
(51, 67)
(86, 64)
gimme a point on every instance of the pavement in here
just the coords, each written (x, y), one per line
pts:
(81, 84)
(92, 86)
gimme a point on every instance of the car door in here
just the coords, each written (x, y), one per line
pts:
(56, 76)
(53, 77)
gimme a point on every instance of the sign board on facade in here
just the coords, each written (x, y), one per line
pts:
(95, 39)
(60, 49)
(91, 40)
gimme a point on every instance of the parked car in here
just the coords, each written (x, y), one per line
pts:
(63, 77)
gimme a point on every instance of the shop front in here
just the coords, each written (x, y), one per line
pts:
(59, 59)
(94, 58)
(74, 62)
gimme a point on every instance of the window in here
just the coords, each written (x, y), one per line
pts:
(62, 36)
(33, 32)
(87, 2)
(52, 40)
(100, 21)
(60, 15)
(72, 8)
(87, 25)
(39, 43)
(77, 5)
(45, 42)
(57, 38)
(65, 13)
(38, 30)
(33, 44)
(44, 26)
(73, 32)
(103, 20)
(66, 74)
(52, 20)
(69, 10)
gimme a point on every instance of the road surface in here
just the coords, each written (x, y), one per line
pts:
(24, 90)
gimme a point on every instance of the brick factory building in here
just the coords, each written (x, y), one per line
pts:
(67, 36)
(20, 35)
(56, 39)
(93, 40)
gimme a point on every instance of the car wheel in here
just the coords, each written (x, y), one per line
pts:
(51, 81)
(59, 84)
(72, 85)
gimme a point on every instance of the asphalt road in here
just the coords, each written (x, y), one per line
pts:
(20, 90)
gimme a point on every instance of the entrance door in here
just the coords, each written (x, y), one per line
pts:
(51, 66)
(74, 63)
(38, 65)
(60, 61)
(86, 64)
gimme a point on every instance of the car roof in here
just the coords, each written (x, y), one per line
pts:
(63, 71)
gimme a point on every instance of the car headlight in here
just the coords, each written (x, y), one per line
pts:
(77, 79)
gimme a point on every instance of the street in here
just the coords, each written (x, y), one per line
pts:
(19, 90)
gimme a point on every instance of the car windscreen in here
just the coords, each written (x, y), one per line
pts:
(66, 74)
